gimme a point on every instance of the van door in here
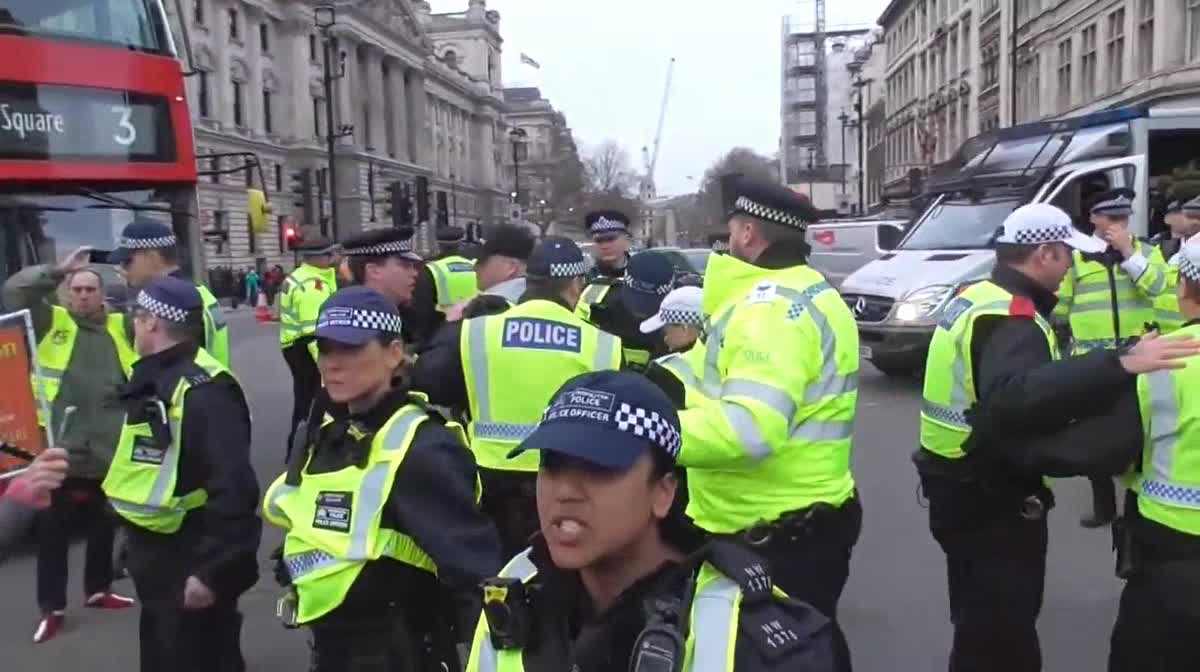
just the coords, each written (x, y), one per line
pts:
(1069, 189)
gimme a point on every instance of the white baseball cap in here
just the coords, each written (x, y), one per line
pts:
(1038, 223)
(681, 306)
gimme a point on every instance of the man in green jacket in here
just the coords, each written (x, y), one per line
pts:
(84, 354)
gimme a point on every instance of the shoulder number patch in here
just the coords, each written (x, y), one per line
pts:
(764, 292)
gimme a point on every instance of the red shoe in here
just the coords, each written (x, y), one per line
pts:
(49, 626)
(109, 600)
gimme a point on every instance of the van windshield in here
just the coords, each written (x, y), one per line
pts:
(957, 224)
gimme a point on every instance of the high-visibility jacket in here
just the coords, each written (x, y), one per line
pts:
(780, 368)
(334, 520)
(453, 279)
(140, 484)
(54, 353)
(1104, 305)
(949, 372)
(513, 363)
(1168, 486)
(1166, 305)
(216, 331)
(681, 367)
(304, 291)
(712, 624)
(593, 295)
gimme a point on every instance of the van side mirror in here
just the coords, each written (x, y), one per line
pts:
(887, 236)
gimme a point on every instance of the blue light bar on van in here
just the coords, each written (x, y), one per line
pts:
(1103, 118)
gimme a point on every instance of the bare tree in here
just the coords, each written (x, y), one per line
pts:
(708, 208)
(609, 169)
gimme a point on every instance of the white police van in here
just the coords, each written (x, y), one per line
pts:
(898, 298)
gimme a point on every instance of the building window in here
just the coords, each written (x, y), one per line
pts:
(264, 37)
(1115, 49)
(198, 12)
(249, 175)
(317, 117)
(238, 119)
(251, 237)
(205, 109)
(233, 24)
(1145, 37)
(312, 47)
(1193, 27)
(278, 178)
(268, 125)
(1087, 63)
(1064, 74)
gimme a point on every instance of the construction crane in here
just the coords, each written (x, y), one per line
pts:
(650, 159)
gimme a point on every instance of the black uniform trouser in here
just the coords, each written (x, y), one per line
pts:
(306, 380)
(380, 645)
(174, 639)
(1104, 497)
(510, 500)
(1158, 620)
(814, 567)
(82, 499)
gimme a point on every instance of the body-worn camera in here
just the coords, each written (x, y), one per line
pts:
(507, 609)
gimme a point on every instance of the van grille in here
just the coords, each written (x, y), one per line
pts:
(867, 308)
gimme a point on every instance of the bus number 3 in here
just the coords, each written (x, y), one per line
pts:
(126, 134)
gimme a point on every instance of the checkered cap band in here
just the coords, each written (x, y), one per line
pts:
(646, 287)
(1189, 269)
(356, 318)
(768, 213)
(1192, 207)
(161, 309)
(1118, 206)
(677, 316)
(392, 247)
(604, 224)
(148, 243)
(568, 270)
(649, 425)
(1044, 234)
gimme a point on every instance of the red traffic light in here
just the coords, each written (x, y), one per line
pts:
(289, 232)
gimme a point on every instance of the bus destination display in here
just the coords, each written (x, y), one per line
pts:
(43, 122)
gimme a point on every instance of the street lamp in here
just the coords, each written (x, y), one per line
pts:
(453, 199)
(811, 152)
(845, 119)
(517, 137)
(325, 18)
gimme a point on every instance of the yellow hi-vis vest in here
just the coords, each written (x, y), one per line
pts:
(54, 353)
(711, 638)
(1166, 305)
(333, 520)
(949, 372)
(216, 331)
(304, 290)
(1168, 486)
(679, 366)
(780, 370)
(141, 479)
(513, 363)
(453, 279)
(592, 295)
(1087, 302)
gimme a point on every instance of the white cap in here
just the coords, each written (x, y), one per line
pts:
(681, 306)
(1038, 223)
(1189, 259)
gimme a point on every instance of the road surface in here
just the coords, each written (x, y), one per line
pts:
(894, 609)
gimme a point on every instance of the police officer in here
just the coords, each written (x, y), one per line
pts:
(610, 232)
(445, 281)
(1108, 296)
(1184, 222)
(621, 307)
(300, 299)
(998, 414)
(384, 260)
(149, 250)
(608, 585)
(1159, 613)
(680, 319)
(379, 508)
(501, 268)
(768, 451)
(502, 369)
(182, 482)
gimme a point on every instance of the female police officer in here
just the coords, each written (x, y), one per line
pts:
(606, 586)
(380, 506)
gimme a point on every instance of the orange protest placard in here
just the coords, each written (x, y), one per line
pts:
(18, 410)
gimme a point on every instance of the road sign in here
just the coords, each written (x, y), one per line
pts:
(18, 408)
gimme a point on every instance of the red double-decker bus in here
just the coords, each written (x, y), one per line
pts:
(94, 129)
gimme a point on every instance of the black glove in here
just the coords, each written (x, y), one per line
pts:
(279, 567)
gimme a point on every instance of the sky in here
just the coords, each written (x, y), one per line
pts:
(604, 66)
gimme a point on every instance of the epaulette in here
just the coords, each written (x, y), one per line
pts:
(1022, 306)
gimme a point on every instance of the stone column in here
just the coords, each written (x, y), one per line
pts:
(376, 87)
(297, 107)
(344, 87)
(252, 88)
(420, 134)
(396, 97)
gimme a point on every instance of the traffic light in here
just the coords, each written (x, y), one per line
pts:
(399, 208)
(422, 199)
(443, 211)
(300, 184)
(292, 237)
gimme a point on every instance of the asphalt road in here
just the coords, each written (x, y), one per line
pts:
(894, 609)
